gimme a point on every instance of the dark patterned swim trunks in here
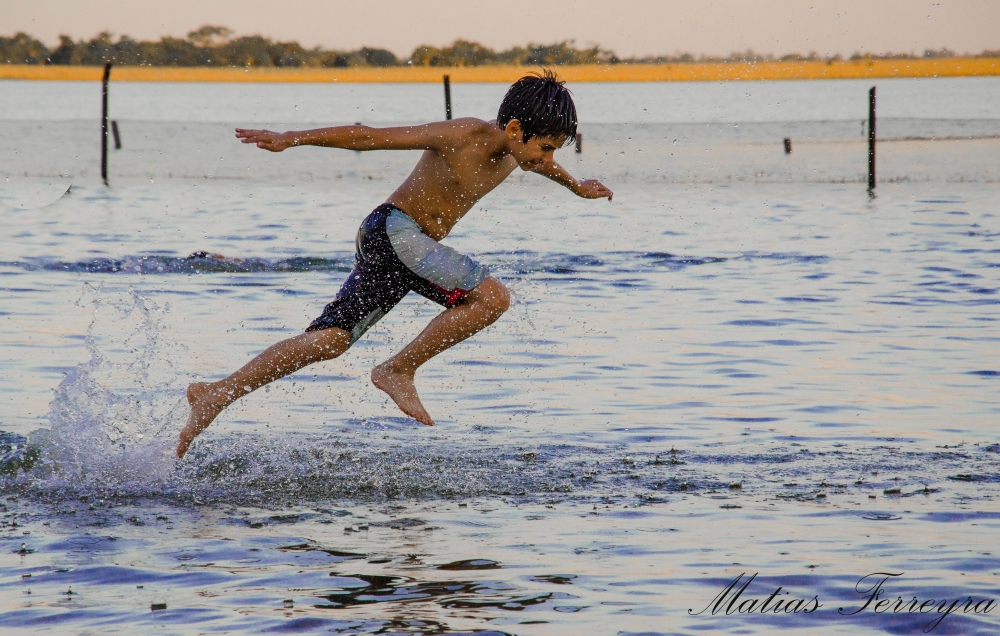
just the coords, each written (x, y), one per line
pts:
(395, 257)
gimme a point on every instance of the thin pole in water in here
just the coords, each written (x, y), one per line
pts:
(114, 133)
(788, 146)
(871, 141)
(447, 97)
(579, 143)
(104, 122)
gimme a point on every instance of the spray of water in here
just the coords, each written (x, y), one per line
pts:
(111, 419)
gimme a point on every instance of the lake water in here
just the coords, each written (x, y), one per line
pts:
(743, 364)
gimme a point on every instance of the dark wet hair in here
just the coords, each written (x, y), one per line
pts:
(542, 104)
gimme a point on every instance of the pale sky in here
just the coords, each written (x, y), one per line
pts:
(628, 27)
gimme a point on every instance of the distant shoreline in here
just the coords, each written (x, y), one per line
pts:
(683, 72)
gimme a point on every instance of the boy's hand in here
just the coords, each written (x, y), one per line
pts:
(593, 189)
(266, 139)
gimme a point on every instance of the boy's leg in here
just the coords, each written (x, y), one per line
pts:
(207, 399)
(481, 308)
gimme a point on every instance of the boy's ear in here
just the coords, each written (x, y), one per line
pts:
(513, 130)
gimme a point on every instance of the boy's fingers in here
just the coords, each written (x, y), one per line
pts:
(244, 133)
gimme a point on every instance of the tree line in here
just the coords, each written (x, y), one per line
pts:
(217, 46)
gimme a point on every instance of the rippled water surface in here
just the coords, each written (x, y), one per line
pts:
(743, 364)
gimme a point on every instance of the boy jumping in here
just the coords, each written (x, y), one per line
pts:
(397, 245)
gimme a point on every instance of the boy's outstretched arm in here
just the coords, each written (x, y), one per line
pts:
(435, 136)
(587, 188)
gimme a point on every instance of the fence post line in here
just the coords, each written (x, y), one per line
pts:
(871, 141)
(447, 97)
(104, 123)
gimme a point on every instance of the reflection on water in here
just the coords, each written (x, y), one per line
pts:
(706, 378)
(562, 567)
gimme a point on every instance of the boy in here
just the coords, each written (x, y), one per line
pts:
(397, 244)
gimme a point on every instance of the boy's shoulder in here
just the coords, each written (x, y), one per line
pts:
(474, 127)
(465, 136)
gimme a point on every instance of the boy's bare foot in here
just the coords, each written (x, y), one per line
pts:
(204, 409)
(399, 386)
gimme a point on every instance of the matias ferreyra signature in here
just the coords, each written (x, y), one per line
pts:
(728, 601)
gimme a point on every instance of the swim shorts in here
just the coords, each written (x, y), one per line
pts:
(395, 257)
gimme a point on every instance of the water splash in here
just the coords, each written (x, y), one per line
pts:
(111, 418)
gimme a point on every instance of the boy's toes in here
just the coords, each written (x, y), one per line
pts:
(186, 437)
(420, 415)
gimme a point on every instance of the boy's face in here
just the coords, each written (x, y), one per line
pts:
(535, 152)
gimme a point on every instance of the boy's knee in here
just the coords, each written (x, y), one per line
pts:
(495, 295)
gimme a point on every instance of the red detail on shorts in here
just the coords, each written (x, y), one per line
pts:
(452, 297)
(455, 296)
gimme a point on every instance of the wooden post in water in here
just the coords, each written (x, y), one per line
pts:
(788, 145)
(114, 133)
(104, 122)
(871, 141)
(447, 97)
(579, 143)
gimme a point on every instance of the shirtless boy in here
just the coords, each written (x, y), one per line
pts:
(397, 244)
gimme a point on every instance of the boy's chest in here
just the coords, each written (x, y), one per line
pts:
(475, 175)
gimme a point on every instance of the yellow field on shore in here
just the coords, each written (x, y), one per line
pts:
(716, 71)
